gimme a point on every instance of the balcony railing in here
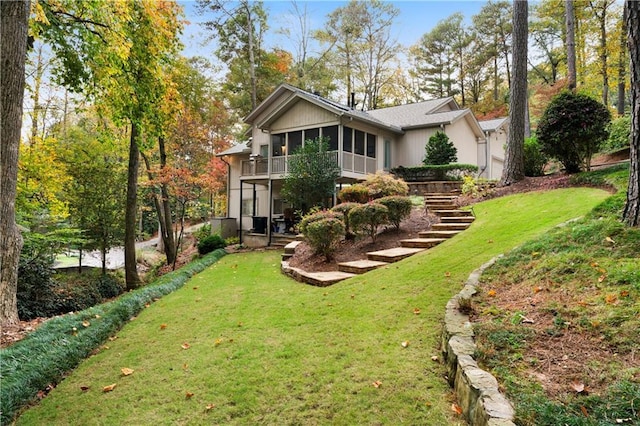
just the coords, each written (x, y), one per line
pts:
(279, 165)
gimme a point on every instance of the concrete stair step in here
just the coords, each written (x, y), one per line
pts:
(425, 243)
(446, 207)
(457, 219)
(449, 226)
(393, 255)
(451, 213)
(438, 234)
(360, 266)
(291, 247)
(324, 279)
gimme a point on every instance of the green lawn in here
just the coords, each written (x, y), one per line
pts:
(262, 348)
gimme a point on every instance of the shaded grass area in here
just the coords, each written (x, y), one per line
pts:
(243, 344)
(567, 354)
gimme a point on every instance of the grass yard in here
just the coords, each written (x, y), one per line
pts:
(242, 344)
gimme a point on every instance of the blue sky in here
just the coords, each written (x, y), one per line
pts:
(415, 19)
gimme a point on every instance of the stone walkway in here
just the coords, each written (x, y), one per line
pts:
(452, 222)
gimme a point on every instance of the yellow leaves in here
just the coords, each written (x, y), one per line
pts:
(126, 371)
(609, 240)
(109, 388)
(416, 311)
(163, 326)
(447, 274)
(86, 323)
(217, 342)
(492, 293)
(456, 408)
(377, 384)
(611, 299)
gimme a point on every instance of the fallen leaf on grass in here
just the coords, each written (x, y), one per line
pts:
(196, 287)
(602, 278)
(185, 345)
(163, 326)
(188, 395)
(447, 274)
(537, 289)
(435, 358)
(610, 240)
(456, 408)
(84, 388)
(416, 311)
(217, 342)
(377, 384)
(584, 411)
(126, 371)
(209, 407)
(611, 299)
(579, 387)
(405, 344)
(109, 388)
(86, 323)
(624, 293)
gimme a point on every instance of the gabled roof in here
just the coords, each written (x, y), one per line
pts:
(295, 94)
(492, 125)
(241, 148)
(412, 114)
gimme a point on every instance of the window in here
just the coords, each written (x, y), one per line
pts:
(264, 151)
(347, 139)
(311, 134)
(331, 133)
(278, 145)
(359, 145)
(295, 141)
(371, 145)
(387, 154)
(279, 206)
(247, 207)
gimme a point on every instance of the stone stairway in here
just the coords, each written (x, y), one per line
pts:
(452, 222)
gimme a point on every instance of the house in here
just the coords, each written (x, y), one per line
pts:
(361, 143)
(496, 132)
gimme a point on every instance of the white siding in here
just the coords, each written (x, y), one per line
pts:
(304, 114)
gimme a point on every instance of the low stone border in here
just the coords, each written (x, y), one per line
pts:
(476, 390)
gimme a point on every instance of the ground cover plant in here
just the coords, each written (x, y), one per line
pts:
(34, 365)
(244, 344)
(558, 320)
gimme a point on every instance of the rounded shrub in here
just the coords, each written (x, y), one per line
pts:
(323, 231)
(440, 150)
(383, 184)
(399, 208)
(367, 218)
(211, 243)
(344, 209)
(37, 290)
(356, 193)
(572, 129)
(619, 133)
(109, 286)
(534, 159)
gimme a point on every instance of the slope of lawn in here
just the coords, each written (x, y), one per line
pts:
(242, 344)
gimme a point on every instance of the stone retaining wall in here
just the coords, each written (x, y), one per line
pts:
(476, 390)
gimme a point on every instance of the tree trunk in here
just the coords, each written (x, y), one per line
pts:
(130, 265)
(252, 57)
(13, 51)
(631, 214)
(571, 43)
(622, 65)
(514, 159)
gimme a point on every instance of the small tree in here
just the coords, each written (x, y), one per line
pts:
(440, 150)
(312, 175)
(356, 193)
(367, 218)
(572, 129)
(399, 208)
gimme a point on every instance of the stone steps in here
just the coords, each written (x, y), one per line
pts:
(450, 226)
(457, 219)
(393, 255)
(360, 266)
(424, 243)
(438, 234)
(452, 213)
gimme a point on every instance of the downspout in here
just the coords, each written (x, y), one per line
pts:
(486, 154)
(270, 213)
(240, 216)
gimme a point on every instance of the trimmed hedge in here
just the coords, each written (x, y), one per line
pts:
(453, 171)
(399, 208)
(61, 343)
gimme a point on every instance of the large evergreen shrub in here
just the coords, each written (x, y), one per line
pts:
(619, 134)
(572, 129)
(367, 218)
(534, 159)
(323, 231)
(399, 208)
(440, 150)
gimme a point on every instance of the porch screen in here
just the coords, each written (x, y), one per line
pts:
(347, 139)
(278, 145)
(331, 132)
